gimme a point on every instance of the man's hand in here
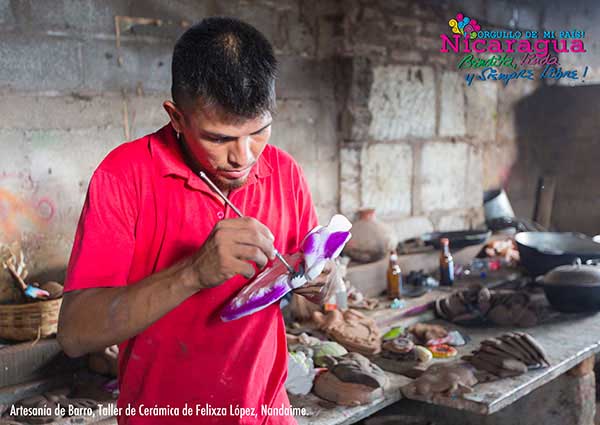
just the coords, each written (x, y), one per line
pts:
(229, 247)
(320, 288)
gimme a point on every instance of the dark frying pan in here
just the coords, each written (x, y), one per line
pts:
(458, 239)
(542, 251)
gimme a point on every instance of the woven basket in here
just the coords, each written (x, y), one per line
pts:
(27, 322)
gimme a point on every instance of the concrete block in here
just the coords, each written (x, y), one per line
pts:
(412, 57)
(452, 105)
(323, 180)
(145, 65)
(443, 173)
(262, 16)
(7, 18)
(173, 11)
(410, 227)
(386, 178)
(474, 180)
(36, 63)
(502, 14)
(89, 16)
(350, 167)
(475, 9)
(482, 109)
(529, 17)
(497, 163)
(91, 111)
(42, 189)
(301, 33)
(295, 131)
(402, 102)
(297, 78)
(449, 221)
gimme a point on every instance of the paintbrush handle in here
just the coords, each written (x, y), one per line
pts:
(239, 213)
(20, 282)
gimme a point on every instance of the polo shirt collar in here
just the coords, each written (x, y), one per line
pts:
(166, 152)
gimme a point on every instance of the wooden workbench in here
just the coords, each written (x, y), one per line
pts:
(568, 340)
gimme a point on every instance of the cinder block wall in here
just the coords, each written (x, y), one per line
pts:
(68, 95)
(417, 143)
(373, 112)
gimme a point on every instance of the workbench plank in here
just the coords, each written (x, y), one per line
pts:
(343, 415)
(568, 340)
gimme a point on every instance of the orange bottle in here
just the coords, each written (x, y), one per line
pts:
(394, 277)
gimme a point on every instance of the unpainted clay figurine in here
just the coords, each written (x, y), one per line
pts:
(351, 380)
(352, 329)
(449, 379)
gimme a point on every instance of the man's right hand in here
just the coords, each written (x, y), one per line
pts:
(228, 250)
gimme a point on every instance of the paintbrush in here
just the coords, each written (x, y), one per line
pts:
(214, 187)
(29, 291)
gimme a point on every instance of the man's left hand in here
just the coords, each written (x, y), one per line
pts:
(319, 289)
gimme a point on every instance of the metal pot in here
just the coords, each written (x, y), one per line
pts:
(540, 252)
(573, 288)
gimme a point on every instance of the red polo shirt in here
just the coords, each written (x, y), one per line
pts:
(145, 210)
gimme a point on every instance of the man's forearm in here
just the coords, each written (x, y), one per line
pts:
(92, 319)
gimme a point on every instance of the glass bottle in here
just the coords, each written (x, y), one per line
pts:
(394, 277)
(446, 264)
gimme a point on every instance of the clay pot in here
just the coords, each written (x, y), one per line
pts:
(371, 240)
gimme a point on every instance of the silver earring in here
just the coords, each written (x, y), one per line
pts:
(177, 134)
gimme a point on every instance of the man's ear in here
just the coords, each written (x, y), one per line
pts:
(175, 114)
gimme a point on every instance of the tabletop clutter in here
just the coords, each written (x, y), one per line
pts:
(345, 354)
(337, 350)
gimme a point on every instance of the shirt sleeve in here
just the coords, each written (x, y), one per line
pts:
(105, 237)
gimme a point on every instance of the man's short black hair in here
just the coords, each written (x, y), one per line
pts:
(226, 63)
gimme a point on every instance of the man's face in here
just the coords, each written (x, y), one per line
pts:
(225, 151)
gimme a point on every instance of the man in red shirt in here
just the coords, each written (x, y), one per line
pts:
(158, 254)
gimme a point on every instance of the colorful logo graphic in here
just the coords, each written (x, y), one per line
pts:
(464, 26)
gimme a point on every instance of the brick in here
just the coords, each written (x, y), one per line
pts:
(402, 102)
(443, 173)
(51, 64)
(482, 109)
(147, 65)
(386, 178)
(350, 200)
(452, 105)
